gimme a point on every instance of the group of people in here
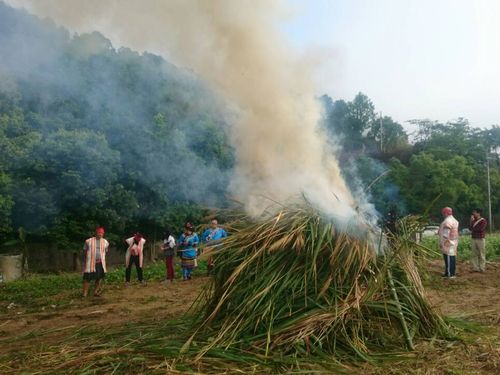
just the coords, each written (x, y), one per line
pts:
(186, 247)
(448, 241)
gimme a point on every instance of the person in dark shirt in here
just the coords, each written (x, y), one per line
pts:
(478, 227)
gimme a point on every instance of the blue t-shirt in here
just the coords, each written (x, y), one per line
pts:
(187, 244)
(213, 234)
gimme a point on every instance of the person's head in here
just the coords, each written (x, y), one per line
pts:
(166, 234)
(99, 232)
(214, 223)
(447, 211)
(137, 237)
(476, 212)
(189, 228)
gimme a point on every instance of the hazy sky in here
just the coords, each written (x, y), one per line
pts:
(437, 59)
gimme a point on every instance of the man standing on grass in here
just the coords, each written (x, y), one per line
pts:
(478, 227)
(94, 262)
(448, 241)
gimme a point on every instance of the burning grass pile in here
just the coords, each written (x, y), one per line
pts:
(292, 285)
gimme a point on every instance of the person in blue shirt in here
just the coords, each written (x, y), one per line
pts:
(213, 233)
(187, 250)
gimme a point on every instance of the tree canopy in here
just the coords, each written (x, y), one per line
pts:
(93, 135)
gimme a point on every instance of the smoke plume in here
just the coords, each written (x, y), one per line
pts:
(236, 47)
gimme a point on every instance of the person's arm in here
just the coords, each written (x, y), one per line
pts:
(471, 223)
(180, 242)
(482, 225)
(205, 235)
(196, 240)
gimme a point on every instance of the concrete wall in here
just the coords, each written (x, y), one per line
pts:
(49, 258)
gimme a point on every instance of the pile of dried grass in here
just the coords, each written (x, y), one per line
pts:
(293, 285)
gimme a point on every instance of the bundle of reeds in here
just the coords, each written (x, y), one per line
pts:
(293, 285)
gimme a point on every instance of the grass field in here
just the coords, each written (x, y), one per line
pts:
(39, 290)
(464, 247)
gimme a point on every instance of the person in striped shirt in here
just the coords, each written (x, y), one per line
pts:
(94, 262)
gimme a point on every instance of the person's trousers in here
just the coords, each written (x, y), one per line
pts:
(449, 265)
(186, 273)
(478, 257)
(134, 259)
(169, 262)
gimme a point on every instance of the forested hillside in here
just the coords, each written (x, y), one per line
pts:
(443, 165)
(94, 135)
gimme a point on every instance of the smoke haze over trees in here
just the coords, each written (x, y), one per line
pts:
(93, 135)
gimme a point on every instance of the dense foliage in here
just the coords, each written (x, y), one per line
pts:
(94, 135)
(438, 165)
(91, 135)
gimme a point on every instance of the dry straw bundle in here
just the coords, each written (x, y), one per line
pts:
(293, 285)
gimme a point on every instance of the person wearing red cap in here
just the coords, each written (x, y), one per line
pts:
(94, 261)
(448, 241)
(188, 241)
(134, 255)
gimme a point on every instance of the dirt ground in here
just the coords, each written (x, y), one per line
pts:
(118, 304)
(474, 296)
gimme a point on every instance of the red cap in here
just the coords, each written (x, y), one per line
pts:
(189, 226)
(99, 230)
(137, 236)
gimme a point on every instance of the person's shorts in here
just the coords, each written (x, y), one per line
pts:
(99, 273)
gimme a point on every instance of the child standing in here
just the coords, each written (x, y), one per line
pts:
(169, 253)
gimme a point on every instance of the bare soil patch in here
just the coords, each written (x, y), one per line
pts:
(474, 297)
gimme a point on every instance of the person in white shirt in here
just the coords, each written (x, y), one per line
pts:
(94, 261)
(448, 241)
(168, 247)
(134, 255)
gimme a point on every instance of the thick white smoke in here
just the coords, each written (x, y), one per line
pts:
(236, 47)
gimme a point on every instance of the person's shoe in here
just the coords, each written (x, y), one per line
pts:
(453, 277)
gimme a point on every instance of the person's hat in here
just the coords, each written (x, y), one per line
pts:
(189, 226)
(99, 230)
(137, 236)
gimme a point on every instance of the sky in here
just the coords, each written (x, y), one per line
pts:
(436, 59)
(415, 59)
